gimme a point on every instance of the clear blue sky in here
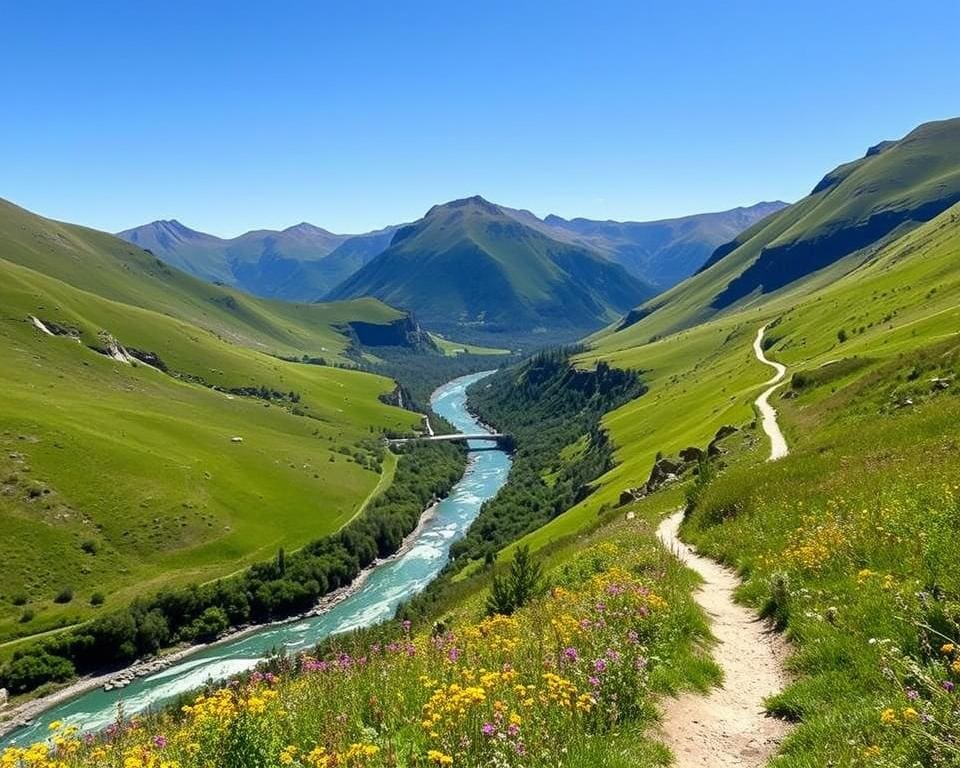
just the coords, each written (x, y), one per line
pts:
(353, 115)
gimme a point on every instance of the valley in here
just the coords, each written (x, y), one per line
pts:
(665, 480)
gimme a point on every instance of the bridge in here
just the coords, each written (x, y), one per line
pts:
(502, 440)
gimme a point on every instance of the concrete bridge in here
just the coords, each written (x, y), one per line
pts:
(504, 441)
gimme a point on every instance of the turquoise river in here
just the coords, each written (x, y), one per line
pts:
(386, 587)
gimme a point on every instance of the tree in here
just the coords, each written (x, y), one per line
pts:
(518, 587)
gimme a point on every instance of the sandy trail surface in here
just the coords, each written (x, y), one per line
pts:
(729, 726)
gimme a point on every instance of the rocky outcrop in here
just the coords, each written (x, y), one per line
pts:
(692, 455)
(111, 348)
(714, 449)
(404, 332)
(667, 470)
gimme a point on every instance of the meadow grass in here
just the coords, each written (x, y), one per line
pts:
(572, 677)
(118, 479)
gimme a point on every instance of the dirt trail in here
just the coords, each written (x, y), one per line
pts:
(778, 444)
(728, 726)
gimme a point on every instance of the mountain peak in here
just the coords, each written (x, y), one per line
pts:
(476, 203)
(306, 228)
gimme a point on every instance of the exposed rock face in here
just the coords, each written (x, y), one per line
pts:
(404, 332)
(149, 358)
(630, 495)
(112, 348)
(692, 455)
(664, 471)
(714, 449)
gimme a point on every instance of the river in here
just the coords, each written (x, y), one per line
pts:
(385, 588)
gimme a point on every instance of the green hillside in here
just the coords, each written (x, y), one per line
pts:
(852, 211)
(471, 266)
(120, 476)
(300, 263)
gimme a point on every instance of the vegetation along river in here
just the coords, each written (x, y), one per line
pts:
(389, 584)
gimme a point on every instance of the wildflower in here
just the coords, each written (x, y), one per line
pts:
(438, 757)
(872, 751)
(948, 686)
(599, 666)
(159, 741)
(570, 654)
(947, 648)
(888, 716)
(489, 729)
(910, 714)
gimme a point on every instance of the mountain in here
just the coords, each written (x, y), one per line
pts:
(662, 252)
(300, 263)
(124, 380)
(852, 211)
(470, 265)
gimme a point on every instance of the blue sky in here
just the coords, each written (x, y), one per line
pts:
(353, 115)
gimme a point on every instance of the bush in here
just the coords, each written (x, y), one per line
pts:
(27, 672)
(97, 599)
(64, 596)
(89, 546)
(20, 599)
(26, 616)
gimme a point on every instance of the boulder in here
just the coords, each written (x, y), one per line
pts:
(4, 697)
(664, 471)
(939, 384)
(692, 455)
(236, 439)
(630, 495)
(725, 431)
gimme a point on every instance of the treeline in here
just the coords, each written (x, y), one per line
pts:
(553, 410)
(286, 585)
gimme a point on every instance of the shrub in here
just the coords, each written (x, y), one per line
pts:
(64, 596)
(515, 590)
(97, 599)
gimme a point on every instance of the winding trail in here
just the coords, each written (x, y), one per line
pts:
(728, 727)
(778, 444)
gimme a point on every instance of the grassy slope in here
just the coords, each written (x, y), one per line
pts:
(706, 376)
(858, 462)
(921, 170)
(140, 462)
(454, 348)
(111, 268)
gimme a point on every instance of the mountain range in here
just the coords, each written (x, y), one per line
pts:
(308, 263)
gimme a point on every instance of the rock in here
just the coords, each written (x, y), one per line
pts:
(4, 697)
(939, 384)
(725, 431)
(631, 515)
(714, 450)
(236, 439)
(790, 394)
(664, 471)
(692, 455)
(630, 495)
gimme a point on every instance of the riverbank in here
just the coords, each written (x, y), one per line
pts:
(22, 714)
